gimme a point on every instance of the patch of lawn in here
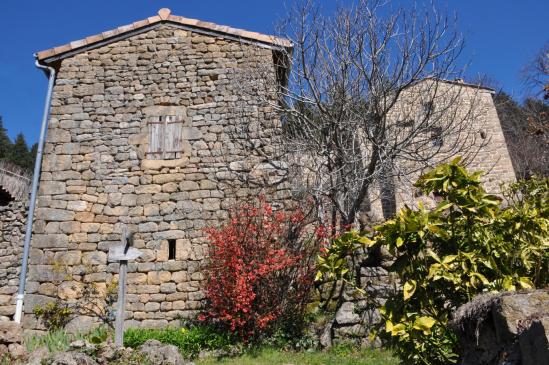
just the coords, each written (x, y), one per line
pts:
(336, 356)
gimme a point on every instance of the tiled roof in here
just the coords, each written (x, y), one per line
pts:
(164, 15)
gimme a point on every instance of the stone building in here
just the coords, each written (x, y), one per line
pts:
(150, 128)
(159, 126)
(463, 121)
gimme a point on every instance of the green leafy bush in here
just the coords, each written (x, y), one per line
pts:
(55, 315)
(190, 341)
(466, 245)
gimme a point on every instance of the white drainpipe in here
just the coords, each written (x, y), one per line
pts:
(35, 181)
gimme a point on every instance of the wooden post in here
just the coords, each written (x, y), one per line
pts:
(121, 310)
(122, 254)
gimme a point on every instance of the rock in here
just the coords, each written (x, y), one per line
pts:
(513, 326)
(533, 345)
(326, 336)
(10, 332)
(108, 352)
(160, 354)
(17, 351)
(83, 346)
(35, 357)
(346, 314)
(69, 358)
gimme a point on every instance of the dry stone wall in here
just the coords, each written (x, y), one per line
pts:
(12, 232)
(97, 175)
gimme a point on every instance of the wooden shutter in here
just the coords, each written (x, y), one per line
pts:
(156, 138)
(174, 135)
(165, 137)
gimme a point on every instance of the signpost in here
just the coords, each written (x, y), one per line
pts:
(122, 254)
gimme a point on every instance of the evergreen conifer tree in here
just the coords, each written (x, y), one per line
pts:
(5, 142)
(20, 154)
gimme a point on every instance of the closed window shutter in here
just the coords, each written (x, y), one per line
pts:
(156, 138)
(165, 137)
(174, 131)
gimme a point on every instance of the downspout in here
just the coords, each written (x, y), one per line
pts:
(35, 179)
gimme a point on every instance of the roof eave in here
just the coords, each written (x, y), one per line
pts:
(164, 17)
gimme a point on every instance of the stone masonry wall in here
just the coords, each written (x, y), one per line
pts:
(477, 128)
(12, 233)
(97, 175)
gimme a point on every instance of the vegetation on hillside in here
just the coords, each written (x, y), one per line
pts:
(16, 152)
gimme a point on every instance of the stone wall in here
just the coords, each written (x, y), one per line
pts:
(358, 315)
(472, 130)
(97, 175)
(12, 233)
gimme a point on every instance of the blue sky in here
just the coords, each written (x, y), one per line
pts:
(501, 37)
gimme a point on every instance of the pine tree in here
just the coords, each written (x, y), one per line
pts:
(5, 142)
(33, 153)
(20, 154)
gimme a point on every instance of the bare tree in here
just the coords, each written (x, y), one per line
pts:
(536, 73)
(526, 133)
(526, 124)
(367, 104)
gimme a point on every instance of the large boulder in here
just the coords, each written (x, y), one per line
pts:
(69, 358)
(161, 354)
(506, 328)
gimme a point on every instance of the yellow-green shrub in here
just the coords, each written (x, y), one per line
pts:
(468, 244)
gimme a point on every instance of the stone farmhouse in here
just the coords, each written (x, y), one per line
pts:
(152, 129)
(144, 132)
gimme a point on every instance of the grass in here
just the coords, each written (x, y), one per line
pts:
(190, 341)
(335, 356)
(59, 340)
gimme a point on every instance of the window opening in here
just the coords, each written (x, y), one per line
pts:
(171, 249)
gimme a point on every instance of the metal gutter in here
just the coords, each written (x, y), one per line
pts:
(34, 189)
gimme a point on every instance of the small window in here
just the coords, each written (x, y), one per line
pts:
(165, 137)
(171, 249)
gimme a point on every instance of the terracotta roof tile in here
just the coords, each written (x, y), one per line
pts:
(164, 14)
(125, 28)
(94, 38)
(154, 19)
(141, 23)
(61, 49)
(46, 53)
(79, 43)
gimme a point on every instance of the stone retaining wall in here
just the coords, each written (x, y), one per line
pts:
(359, 314)
(12, 233)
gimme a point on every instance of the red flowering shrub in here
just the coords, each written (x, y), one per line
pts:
(261, 269)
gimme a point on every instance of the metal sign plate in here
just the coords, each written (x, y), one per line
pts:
(118, 253)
